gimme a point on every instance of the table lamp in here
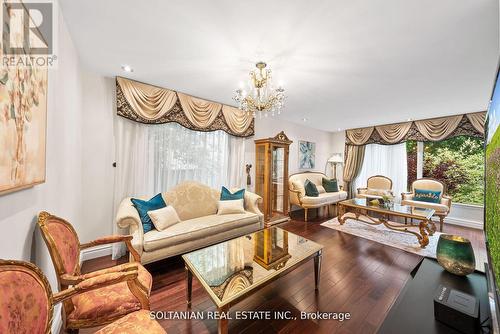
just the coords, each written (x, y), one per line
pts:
(335, 159)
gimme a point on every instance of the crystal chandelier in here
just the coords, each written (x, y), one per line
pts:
(261, 98)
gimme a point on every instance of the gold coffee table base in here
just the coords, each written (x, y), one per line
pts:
(422, 230)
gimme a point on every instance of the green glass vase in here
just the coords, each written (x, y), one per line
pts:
(455, 254)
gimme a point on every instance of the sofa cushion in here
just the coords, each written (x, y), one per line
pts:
(324, 199)
(311, 189)
(164, 217)
(226, 195)
(143, 207)
(424, 195)
(228, 207)
(438, 207)
(196, 228)
(331, 186)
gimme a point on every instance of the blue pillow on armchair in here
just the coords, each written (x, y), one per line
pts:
(143, 207)
(226, 195)
(429, 196)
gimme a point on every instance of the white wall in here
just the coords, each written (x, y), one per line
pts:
(97, 156)
(61, 194)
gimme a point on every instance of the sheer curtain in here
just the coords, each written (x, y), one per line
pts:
(387, 160)
(155, 158)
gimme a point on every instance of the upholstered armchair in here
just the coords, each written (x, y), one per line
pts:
(27, 303)
(376, 186)
(98, 306)
(441, 208)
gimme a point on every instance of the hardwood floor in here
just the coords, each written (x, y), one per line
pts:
(358, 276)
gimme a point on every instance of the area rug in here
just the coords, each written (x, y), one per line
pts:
(404, 241)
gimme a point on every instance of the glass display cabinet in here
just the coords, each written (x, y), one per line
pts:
(271, 177)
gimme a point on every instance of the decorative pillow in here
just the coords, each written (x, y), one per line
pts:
(311, 189)
(429, 196)
(226, 195)
(227, 207)
(164, 217)
(143, 207)
(331, 186)
(321, 189)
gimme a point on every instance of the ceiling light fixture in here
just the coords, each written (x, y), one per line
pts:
(261, 97)
(127, 68)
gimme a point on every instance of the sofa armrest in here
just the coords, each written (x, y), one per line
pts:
(407, 196)
(252, 201)
(295, 197)
(127, 217)
(446, 200)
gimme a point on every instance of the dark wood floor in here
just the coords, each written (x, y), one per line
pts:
(358, 276)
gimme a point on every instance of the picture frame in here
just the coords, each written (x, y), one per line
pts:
(307, 155)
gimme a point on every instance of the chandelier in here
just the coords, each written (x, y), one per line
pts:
(261, 98)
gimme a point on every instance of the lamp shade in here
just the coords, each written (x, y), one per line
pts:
(336, 158)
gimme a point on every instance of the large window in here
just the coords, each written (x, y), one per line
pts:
(458, 162)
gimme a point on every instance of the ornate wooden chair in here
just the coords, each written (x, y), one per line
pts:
(376, 186)
(443, 205)
(27, 302)
(98, 306)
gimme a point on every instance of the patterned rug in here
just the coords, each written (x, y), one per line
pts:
(404, 241)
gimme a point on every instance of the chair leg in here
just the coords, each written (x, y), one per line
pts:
(441, 223)
(305, 214)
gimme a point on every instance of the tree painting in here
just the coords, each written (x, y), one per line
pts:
(23, 109)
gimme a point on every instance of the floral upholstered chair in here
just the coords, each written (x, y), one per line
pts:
(376, 187)
(27, 303)
(422, 195)
(98, 306)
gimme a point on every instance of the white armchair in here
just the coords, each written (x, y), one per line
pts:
(442, 209)
(376, 186)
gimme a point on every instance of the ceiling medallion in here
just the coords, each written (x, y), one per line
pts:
(260, 97)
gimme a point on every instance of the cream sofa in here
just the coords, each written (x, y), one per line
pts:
(298, 194)
(200, 226)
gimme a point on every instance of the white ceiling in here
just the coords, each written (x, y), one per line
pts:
(344, 64)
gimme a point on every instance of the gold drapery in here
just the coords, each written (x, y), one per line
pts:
(434, 129)
(200, 112)
(359, 136)
(437, 129)
(148, 101)
(354, 156)
(393, 133)
(478, 120)
(149, 104)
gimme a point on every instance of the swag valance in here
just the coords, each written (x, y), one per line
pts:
(149, 104)
(434, 129)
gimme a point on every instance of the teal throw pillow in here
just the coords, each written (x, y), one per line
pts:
(226, 195)
(429, 196)
(311, 189)
(331, 186)
(143, 207)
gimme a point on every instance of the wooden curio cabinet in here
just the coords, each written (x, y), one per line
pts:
(271, 177)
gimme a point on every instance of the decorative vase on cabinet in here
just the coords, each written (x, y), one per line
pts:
(271, 177)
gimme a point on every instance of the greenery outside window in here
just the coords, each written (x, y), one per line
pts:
(458, 162)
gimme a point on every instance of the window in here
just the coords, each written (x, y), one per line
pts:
(458, 162)
(387, 160)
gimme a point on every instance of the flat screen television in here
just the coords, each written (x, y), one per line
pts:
(492, 201)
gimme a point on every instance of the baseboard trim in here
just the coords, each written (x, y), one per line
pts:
(464, 222)
(95, 252)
